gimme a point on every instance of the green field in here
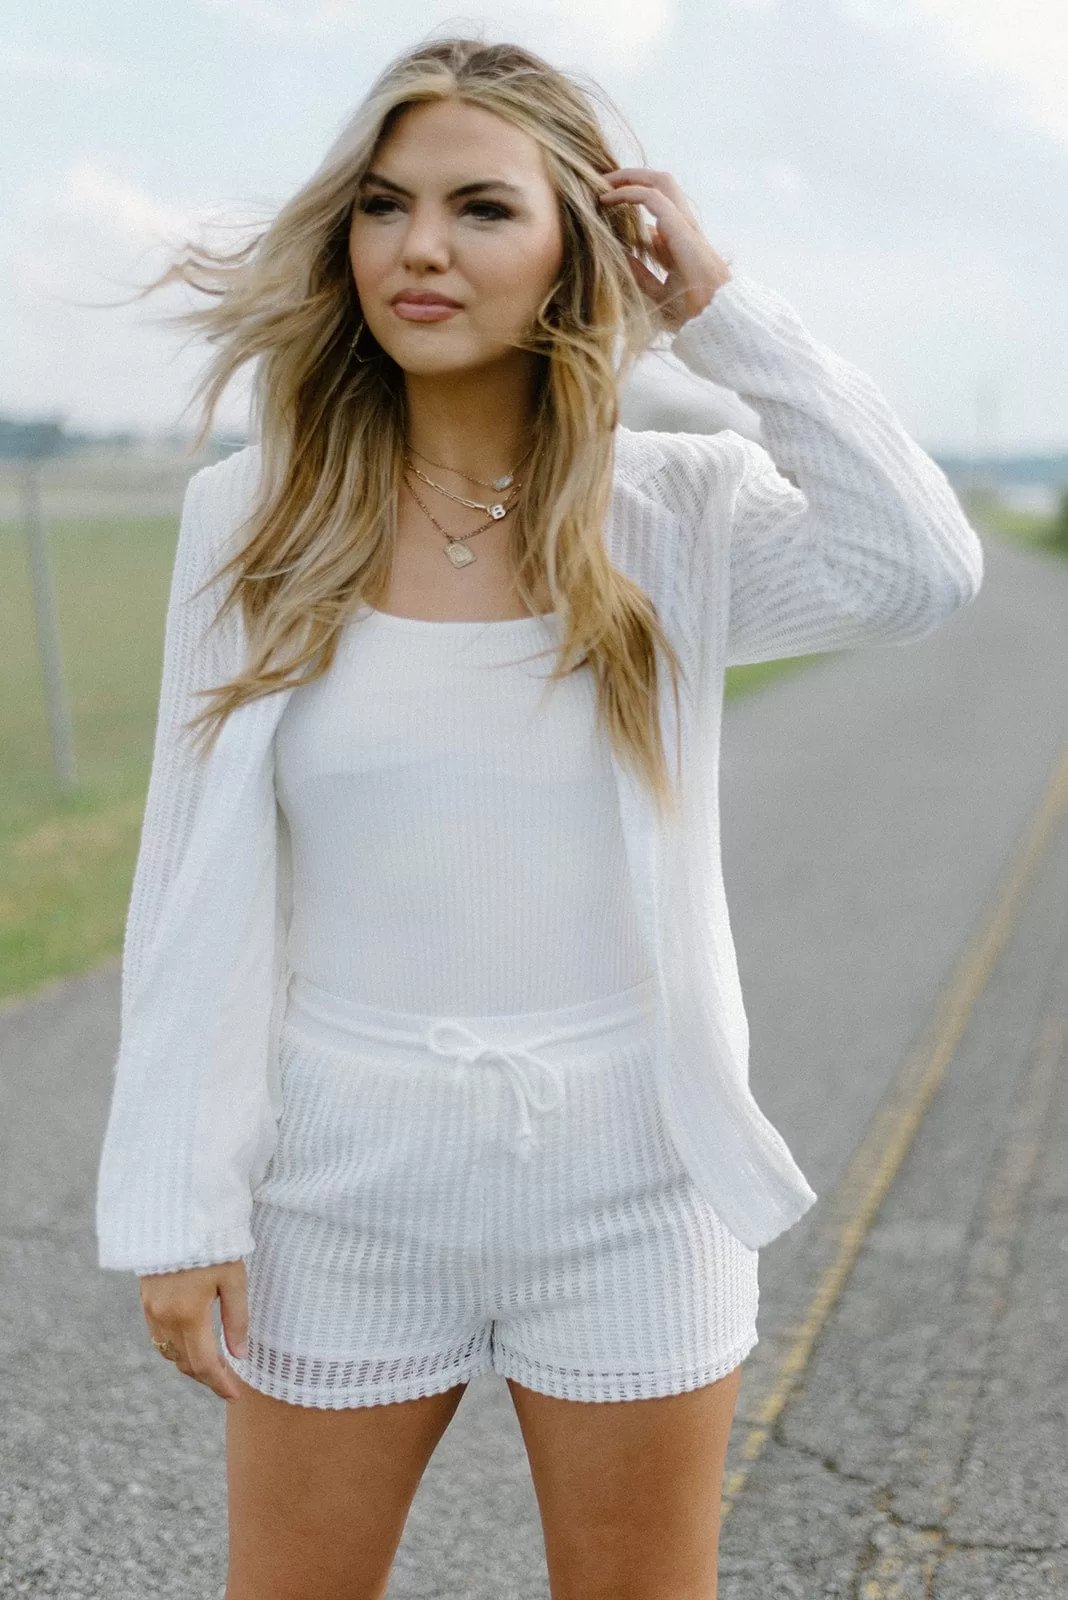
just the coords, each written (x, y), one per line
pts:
(1026, 527)
(66, 861)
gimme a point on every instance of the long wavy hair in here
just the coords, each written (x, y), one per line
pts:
(331, 419)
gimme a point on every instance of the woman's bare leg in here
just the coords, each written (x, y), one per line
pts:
(629, 1491)
(318, 1499)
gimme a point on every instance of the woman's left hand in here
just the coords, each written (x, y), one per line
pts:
(694, 270)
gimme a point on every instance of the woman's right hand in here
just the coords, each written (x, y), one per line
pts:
(178, 1307)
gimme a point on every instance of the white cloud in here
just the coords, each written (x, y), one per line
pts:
(69, 67)
(784, 176)
(88, 234)
(73, 340)
(266, 17)
(610, 30)
(89, 189)
(1019, 51)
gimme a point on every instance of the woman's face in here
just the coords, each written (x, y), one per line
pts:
(496, 251)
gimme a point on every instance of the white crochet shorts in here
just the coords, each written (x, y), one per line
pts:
(464, 1195)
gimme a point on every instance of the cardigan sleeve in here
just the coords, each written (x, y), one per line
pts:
(142, 1155)
(194, 658)
(842, 530)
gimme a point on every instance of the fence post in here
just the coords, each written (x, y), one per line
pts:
(48, 642)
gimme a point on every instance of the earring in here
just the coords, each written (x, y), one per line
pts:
(363, 360)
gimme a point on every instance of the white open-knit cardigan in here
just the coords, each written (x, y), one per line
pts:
(866, 545)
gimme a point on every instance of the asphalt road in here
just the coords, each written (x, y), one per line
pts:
(897, 868)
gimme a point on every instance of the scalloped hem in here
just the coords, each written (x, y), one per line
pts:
(566, 1383)
(452, 1370)
(563, 1383)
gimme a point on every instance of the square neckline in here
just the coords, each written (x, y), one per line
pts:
(462, 622)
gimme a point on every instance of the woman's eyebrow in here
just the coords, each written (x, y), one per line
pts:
(376, 179)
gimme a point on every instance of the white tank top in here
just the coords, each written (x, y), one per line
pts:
(454, 822)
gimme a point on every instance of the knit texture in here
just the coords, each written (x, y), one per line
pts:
(404, 1244)
(454, 822)
(869, 547)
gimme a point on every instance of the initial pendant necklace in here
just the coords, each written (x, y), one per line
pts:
(456, 547)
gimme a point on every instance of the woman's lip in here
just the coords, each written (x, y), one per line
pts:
(424, 311)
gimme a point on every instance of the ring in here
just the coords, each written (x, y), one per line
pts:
(163, 1345)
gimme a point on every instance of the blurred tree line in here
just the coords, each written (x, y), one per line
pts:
(39, 438)
(1059, 530)
(36, 438)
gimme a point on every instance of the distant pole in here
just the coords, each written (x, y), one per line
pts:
(987, 409)
(44, 600)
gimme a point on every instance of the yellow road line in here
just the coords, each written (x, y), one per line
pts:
(886, 1143)
(911, 1554)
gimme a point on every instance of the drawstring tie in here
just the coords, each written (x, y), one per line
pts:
(522, 1066)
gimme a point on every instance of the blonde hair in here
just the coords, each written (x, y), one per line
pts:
(320, 535)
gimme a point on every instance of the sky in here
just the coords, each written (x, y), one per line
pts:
(897, 169)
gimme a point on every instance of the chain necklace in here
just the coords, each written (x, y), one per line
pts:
(496, 510)
(503, 482)
(456, 547)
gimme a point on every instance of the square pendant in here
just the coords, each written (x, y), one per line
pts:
(498, 511)
(459, 554)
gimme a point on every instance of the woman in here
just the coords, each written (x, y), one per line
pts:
(433, 1056)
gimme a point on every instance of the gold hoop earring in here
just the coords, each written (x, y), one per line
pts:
(363, 360)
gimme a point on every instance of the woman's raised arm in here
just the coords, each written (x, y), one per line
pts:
(865, 542)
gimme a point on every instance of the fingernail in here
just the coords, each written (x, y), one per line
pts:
(241, 1349)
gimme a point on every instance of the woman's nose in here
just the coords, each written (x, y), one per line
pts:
(426, 239)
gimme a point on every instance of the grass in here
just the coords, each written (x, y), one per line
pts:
(66, 860)
(991, 515)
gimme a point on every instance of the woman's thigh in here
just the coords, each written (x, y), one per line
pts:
(318, 1498)
(629, 1491)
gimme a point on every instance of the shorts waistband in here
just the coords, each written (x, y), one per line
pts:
(586, 1020)
(530, 1048)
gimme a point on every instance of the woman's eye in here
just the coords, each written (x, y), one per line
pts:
(373, 207)
(489, 205)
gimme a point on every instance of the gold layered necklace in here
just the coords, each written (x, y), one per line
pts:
(456, 544)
